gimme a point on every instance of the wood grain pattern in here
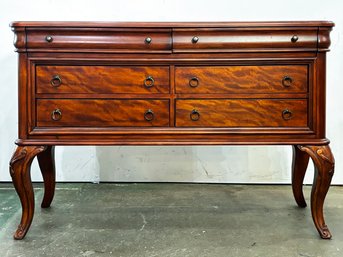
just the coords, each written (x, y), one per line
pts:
(241, 113)
(102, 79)
(241, 79)
(102, 113)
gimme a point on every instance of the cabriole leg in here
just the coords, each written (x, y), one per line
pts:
(20, 166)
(299, 166)
(324, 164)
(46, 160)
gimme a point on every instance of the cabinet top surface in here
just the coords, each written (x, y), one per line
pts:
(238, 24)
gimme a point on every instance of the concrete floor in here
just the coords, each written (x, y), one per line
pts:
(170, 220)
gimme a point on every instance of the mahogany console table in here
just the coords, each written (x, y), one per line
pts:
(223, 83)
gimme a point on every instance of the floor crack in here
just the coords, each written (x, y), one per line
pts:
(144, 221)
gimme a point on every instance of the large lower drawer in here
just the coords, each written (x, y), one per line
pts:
(102, 79)
(241, 79)
(101, 113)
(241, 113)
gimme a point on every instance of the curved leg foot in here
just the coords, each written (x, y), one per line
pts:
(20, 166)
(46, 160)
(324, 163)
(299, 166)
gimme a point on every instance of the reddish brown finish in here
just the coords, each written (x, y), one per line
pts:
(241, 79)
(125, 25)
(102, 113)
(236, 40)
(70, 40)
(240, 97)
(324, 164)
(85, 79)
(46, 161)
(20, 166)
(242, 113)
(299, 166)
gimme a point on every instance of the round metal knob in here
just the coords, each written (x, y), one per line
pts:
(287, 81)
(195, 39)
(49, 39)
(294, 38)
(195, 115)
(56, 81)
(149, 81)
(287, 114)
(194, 82)
(149, 115)
(56, 114)
(148, 40)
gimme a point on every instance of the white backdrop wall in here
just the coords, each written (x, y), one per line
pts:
(191, 164)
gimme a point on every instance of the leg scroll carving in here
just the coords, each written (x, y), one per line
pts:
(20, 166)
(324, 163)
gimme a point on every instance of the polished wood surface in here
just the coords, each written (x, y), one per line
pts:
(107, 40)
(241, 79)
(114, 79)
(242, 113)
(102, 113)
(191, 83)
(243, 39)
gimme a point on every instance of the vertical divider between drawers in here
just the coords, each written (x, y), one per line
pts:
(172, 96)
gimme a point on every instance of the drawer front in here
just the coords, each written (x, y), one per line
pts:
(102, 79)
(236, 40)
(241, 79)
(101, 113)
(241, 113)
(103, 40)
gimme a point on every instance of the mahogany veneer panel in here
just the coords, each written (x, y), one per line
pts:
(242, 113)
(241, 79)
(101, 113)
(102, 79)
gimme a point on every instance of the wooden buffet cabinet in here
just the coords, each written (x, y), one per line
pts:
(226, 83)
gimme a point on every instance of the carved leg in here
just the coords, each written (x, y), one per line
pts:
(324, 163)
(20, 166)
(299, 166)
(46, 160)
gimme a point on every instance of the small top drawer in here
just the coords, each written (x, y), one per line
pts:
(105, 41)
(242, 40)
(102, 79)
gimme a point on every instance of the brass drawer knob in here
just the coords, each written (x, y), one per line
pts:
(149, 81)
(49, 39)
(149, 115)
(287, 114)
(287, 81)
(195, 115)
(56, 81)
(195, 39)
(294, 38)
(148, 40)
(194, 82)
(56, 114)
